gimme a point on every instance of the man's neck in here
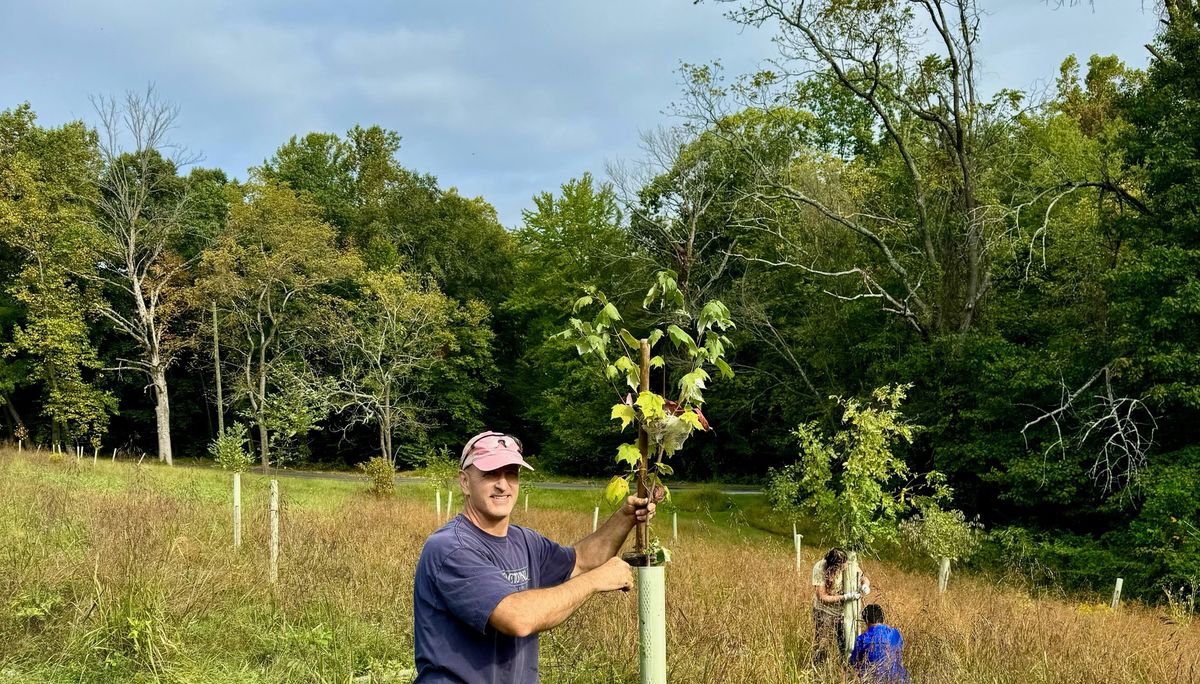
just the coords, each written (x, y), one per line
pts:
(496, 528)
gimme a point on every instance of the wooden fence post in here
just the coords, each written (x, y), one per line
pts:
(274, 531)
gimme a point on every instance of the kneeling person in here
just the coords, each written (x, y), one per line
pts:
(877, 651)
(484, 587)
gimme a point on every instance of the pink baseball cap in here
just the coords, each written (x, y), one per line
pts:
(491, 450)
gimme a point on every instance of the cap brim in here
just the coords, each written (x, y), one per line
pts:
(497, 461)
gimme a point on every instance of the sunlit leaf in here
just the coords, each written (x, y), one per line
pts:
(617, 489)
(625, 412)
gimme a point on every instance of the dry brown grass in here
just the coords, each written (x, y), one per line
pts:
(138, 582)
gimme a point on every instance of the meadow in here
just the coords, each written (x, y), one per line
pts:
(117, 572)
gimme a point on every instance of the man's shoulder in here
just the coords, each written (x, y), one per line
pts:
(447, 539)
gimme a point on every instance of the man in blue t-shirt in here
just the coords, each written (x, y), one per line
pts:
(877, 651)
(484, 587)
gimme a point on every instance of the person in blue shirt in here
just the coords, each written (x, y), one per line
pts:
(877, 651)
(484, 588)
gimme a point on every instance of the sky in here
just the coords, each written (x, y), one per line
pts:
(500, 99)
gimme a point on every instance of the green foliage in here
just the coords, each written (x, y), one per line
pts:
(854, 484)
(380, 474)
(440, 470)
(668, 423)
(942, 534)
(229, 449)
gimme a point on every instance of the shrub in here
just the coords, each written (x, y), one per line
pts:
(229, 449)
(942, 534)
(381, 475)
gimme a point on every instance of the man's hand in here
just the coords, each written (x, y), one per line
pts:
(613, 575)
(642, 509)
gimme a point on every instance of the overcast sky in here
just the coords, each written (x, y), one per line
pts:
(500, 99)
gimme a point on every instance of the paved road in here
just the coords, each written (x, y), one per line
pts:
(324, 475)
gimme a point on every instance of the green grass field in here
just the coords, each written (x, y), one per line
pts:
(124, 573)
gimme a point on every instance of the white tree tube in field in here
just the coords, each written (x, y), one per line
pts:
(652, 622)
(943, 575)
(850, 608)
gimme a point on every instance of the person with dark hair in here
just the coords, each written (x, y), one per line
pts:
(877, 651)
(485, 588)
(828, 598)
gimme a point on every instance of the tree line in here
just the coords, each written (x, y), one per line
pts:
(1028, 263)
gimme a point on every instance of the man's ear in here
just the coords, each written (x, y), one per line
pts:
(462, 483)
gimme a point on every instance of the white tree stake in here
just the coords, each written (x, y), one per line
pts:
(437, 502)
(943, 575)
(1116, 602)
(237, 510)
(449, 503)
(674, 526)
(526, 502)
(797, 539)
(850, 608)
(274, 531)
(595, 518)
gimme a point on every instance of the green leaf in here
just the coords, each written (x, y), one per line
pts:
(628, 453)
(580, 303)
(655, 336)
(625, 412)
(651, 405)
(617, 489)
(689, 417)
(610, 312)
(663, 555)
(657, 362)
(611, 372)
(629, 339)
(726, 371)
(664, 469)
(680, 338)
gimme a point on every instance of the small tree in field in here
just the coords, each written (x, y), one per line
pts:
(853, 484)
(668, 422)
(441, 472)
(229, 449)
(944, 536)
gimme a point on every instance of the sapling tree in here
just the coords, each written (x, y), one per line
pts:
(944, 536)
(441, 471)
(229, 449)
(854, 484)
(665, 421)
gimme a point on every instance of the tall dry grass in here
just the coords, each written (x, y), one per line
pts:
(127, 574)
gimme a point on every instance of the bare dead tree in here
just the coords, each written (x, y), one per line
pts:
(1120, 429)
(141, 207)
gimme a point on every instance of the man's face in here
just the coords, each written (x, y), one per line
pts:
(491, 493)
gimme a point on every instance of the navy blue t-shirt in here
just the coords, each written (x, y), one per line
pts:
(462, 575)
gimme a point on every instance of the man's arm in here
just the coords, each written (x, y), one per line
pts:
(595, 549)
(535, 610)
